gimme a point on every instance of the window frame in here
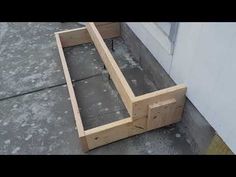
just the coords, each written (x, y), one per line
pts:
(167, 41)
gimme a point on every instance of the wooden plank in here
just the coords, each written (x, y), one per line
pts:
(161, 114)
(108, 133)
(218, 147)
(74, 37)
(141, 103)
(74, 103)
(114, 131)
(80, 35)
(116, 75)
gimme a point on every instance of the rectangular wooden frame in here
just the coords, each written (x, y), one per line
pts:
(147, 112)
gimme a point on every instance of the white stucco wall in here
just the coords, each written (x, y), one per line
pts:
(205, 60)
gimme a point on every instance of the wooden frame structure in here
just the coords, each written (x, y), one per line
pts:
(149, 111)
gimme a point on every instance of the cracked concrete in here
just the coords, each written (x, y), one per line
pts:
(29, 57)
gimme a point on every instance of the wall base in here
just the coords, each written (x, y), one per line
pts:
(193, 124)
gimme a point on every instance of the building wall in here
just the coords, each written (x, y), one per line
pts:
(204, 59)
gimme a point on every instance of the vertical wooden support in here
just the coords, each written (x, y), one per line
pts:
(161, 114)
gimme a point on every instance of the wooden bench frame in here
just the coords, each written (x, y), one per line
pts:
(149, 111)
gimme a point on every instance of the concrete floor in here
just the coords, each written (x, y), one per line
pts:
(35, 111)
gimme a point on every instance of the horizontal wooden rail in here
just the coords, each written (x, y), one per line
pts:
(80, 36)
(114, 131)
(117, 76)
(140, 103)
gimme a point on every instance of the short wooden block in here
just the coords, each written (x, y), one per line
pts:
(161, 114)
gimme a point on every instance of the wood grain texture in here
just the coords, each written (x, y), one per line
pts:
(141, 103)
(114, 131)
(161, 114)
(218, 147)
(80, 35)
(117, 76)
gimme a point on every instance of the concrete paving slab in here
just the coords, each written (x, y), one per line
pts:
(139, 81)
(99, 101)
(83, 61)
(103, 118)
(29, 57)
(39, 123)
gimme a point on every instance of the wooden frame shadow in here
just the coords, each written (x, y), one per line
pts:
(149, 111)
